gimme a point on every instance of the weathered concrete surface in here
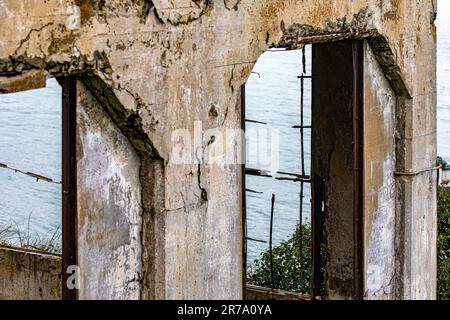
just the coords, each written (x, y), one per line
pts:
(167, 63)
(29, 275)
(379, 186)
(109, 206)
(332, 160)
(34, 79)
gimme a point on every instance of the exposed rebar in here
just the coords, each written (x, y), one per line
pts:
(272, 279)
(36, 176)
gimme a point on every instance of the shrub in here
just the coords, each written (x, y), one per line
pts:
(286, 257)
(443, 244)
(289, 274)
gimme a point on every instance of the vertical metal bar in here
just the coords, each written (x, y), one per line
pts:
(302, 157)
(358, 166)
(438, 176)
(301, 232)
(69, 183)
(244, 196)
(302, 93)
(272, 279)
(304, 59)
(318, 197)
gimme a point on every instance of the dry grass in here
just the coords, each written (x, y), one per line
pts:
(12, 234)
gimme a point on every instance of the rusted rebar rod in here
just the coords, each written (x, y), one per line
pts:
(301, 233)
(255, 240)
(302, 111)
(302, 151)
(257, 172)
(36, 176)
(272, 279)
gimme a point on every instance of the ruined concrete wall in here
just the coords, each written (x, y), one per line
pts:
(379, 182)
(29, 275)
(109, 206)
(169, 63)
(416, 150)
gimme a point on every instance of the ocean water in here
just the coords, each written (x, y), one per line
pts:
(273, 96)
(30, 139)
(443, 78)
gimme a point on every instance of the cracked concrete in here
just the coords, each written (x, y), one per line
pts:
(156, 66)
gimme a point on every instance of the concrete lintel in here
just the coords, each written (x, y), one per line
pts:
(33, 79)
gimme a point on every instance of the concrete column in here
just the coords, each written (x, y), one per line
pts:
(416, 224)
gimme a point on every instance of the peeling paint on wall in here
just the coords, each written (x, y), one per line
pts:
(380, 194)
(109, 206)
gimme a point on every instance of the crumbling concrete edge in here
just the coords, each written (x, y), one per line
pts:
(151, 174)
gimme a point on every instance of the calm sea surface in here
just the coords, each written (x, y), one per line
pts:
(30, 139)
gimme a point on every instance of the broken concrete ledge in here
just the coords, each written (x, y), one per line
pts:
(29, 274)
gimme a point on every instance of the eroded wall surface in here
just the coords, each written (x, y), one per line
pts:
(109, 206)
(29, 275)
(170, 63)
(379, 186)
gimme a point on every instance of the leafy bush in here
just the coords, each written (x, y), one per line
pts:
(289, 274)
(286, 257)
(443, 244)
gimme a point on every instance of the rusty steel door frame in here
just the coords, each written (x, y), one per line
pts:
(243, 196)
(358, 167)
(69, 184)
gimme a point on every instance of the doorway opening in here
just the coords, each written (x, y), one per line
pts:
(303, 184)
(277, 174)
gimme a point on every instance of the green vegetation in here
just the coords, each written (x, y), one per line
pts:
(286, 257)
(289, 274)
(443, 243)
(14, 235)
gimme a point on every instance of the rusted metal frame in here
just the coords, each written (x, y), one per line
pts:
(358, 167)
(302, 155)
(243, 196)
(272, 278)
(302, 94)
(69, 183)
(318, 209)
